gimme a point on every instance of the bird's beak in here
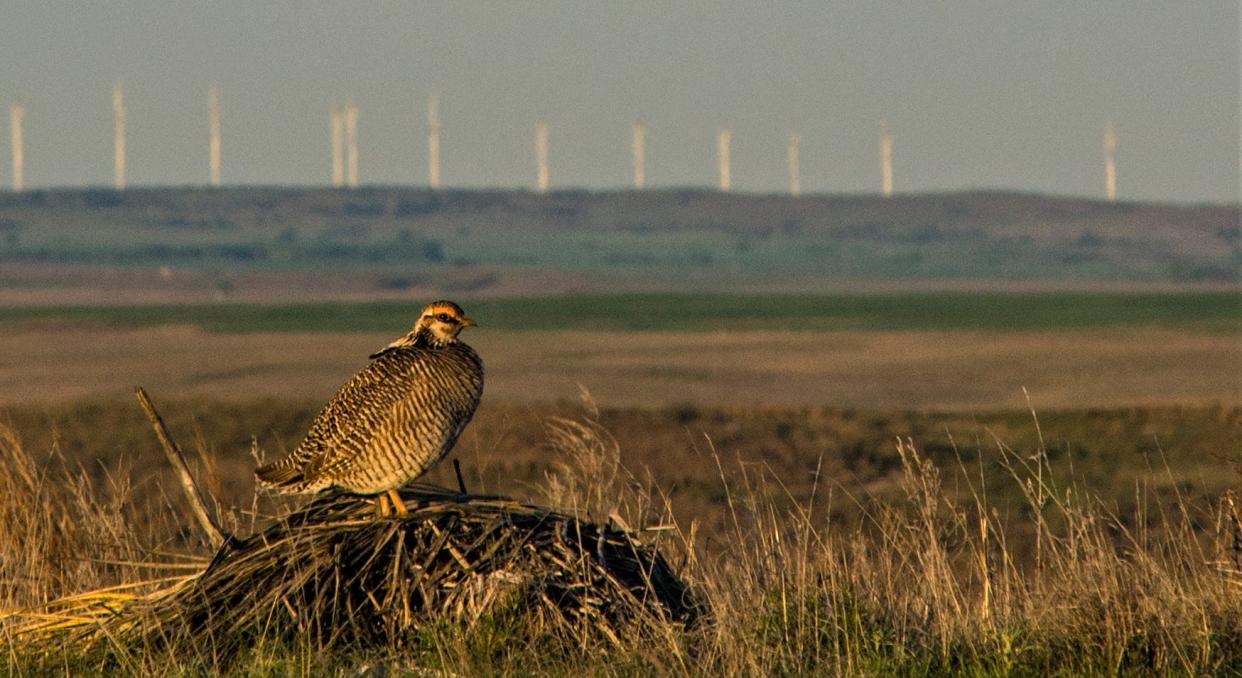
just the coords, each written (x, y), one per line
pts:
(467, 321)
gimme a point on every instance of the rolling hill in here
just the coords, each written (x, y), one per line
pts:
(977, 235)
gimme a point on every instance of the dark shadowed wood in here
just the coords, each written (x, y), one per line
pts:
(333, 573)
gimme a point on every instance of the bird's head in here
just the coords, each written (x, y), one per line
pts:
(438, 325)
(442, 321)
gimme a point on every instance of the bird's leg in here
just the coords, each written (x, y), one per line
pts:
(461, 482)
(381, 508)
(398, 504)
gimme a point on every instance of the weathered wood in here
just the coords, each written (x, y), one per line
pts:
(177, 460)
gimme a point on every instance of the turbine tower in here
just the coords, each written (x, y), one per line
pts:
(1110, 162)
(118, 137)
(351, 145)
(795, 173)
(541, 156)
(213, 134)
(724, 137)
(16, 113)
(638, 146)
(433, 142)
(886, 161)
(337, 117)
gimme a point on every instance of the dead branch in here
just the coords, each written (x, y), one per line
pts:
(177, 459)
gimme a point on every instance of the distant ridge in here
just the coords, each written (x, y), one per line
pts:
(976, 234)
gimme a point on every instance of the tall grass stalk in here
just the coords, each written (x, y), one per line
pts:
(930, 583)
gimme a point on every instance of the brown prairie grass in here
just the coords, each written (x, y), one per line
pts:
(960, 370)
(932, 581)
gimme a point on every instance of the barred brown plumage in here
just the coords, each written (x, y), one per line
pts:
(394, 419)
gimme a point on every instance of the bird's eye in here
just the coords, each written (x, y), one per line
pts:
(444, 318)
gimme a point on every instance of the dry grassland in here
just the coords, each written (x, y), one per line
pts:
(1004, 568)
(47, 362)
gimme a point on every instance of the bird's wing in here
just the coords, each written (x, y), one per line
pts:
(351, 419)
(401, 387)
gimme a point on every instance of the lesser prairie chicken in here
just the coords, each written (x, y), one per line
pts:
(393, 420)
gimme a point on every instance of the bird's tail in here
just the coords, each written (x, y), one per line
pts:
(278, 474)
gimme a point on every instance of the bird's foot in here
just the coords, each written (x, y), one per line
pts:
(398, 504)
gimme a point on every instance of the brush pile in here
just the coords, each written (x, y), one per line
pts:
(334, 574)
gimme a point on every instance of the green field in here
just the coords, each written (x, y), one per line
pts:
(1018, 312)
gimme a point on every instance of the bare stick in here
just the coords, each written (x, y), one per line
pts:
(177, 459)
(461, 484)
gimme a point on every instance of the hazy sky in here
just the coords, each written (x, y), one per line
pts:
(980, 94)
